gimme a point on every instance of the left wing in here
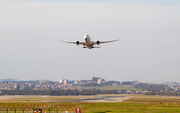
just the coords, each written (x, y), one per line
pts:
(78, 43)
(101, 42)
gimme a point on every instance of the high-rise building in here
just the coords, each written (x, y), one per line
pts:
(100, 81)
(65, 81)
(62, 81)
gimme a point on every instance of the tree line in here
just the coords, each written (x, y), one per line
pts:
(150, 87)
(57, 92)
(162, 93)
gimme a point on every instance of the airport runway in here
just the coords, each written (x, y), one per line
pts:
(91, 98)
(96, 99)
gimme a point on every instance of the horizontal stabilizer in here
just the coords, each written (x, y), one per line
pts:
(96, 47)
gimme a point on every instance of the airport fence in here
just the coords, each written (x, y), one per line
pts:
(34, 109)
(31, 110)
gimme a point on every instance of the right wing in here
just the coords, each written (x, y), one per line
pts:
(108, 41)
(77, 42)
(101, 42)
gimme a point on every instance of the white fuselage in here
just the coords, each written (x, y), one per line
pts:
(88, 41)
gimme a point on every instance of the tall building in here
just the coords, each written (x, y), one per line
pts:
(100, 81)
(95, 79)
(65, 81)
(62, 81)
(77, 81)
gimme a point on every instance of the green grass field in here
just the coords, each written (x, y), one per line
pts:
(136, 104)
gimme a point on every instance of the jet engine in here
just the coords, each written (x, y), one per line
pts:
(98, 42)
(77, 43)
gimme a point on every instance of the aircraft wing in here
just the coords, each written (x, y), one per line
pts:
(101, 42)
(79, 43)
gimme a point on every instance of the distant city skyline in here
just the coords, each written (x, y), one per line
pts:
(40, 80)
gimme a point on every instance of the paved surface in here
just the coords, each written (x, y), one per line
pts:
(95, 99)
(66, 98)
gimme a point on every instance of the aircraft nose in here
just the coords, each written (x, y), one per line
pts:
(85, 36)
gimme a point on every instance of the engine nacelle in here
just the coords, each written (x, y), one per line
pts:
(98, 42)
(77, 43)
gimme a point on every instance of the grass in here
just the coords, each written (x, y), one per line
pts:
(152, 98)
(136, 104)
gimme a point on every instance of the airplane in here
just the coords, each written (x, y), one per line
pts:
(88, 43)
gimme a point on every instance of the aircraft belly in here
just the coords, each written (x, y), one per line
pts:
(89, 47)
(88, 43)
